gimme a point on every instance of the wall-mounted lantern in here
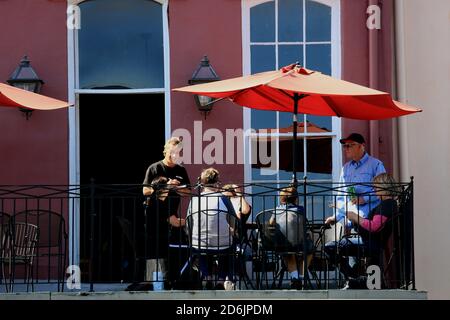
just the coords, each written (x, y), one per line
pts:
(203, 74)
(24, 77)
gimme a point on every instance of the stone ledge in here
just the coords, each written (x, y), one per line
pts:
(193, 295)
(223, 295)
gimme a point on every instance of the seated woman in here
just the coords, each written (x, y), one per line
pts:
(210, 225)
(241, 207)
(373, 230)
(242, 210)
(286, 218)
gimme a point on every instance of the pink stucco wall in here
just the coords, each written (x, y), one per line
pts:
(356, 63)
(34, 151)
(197, 29)
(217, 33)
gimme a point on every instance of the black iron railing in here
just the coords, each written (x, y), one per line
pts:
(114, 235)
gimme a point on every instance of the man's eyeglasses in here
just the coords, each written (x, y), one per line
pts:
(349, 145)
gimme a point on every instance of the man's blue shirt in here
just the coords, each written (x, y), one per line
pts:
(362, 171)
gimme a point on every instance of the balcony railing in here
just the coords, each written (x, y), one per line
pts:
(111, 234)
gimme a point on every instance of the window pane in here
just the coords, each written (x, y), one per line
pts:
(319, 157)
(285, 119)
(264, 159)
(320, 176)
(286, 175)
(318, 57)
(318, 21)
(265, 196)
(290, 20)
(263, 174)
(288, 54)
(320, 122)
(285, 156)
(263, 119)
(318, 199)
(262, 58)
(121, 44)
(262, 22)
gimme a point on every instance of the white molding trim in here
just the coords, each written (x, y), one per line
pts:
(74, 176)
(166, 48)
(288, 43)
(336, 68)
(303, 63)
(245, 5)
(73, 118)
(277, 60)
(119, 91)
(289, 135)
(282, 181)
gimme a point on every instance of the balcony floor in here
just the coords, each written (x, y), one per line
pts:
(116, 292)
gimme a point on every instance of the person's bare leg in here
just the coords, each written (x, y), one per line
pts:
(294, 272)
(291, 263)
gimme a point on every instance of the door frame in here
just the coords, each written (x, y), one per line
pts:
(74, 119)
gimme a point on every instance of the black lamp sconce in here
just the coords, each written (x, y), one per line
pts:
(24, 77)
(203, 74)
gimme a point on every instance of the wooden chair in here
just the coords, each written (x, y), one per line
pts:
(19, 249)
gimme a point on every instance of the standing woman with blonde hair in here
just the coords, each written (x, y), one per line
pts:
(174, 181)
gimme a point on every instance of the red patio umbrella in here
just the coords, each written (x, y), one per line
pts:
(14, 97)
(294, 88)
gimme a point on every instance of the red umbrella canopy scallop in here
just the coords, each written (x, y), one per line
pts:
(18, 98)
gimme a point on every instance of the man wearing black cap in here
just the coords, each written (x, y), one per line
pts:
(361, 168)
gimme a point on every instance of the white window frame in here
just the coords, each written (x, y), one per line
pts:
(74, 117)
(335, 72)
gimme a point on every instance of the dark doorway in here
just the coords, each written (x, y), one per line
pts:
(120, 136)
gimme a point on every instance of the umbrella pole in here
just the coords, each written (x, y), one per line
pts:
(297, 97)
(294, 142)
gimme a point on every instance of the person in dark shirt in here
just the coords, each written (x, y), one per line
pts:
(177, 181)
(161, 212)
(169, 168)
(161, 216)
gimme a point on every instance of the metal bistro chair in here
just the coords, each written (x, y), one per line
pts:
(279, 238)
(4, 229)
(367, 254)
(19, 248)
(205, 231)
(387, 256)
(52, 241)
(322, 264)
